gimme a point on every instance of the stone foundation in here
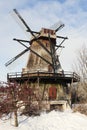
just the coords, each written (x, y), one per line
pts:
(54, 105)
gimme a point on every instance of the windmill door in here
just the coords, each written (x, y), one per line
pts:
(52, 93)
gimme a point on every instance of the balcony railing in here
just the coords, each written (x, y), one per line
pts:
(64, 74)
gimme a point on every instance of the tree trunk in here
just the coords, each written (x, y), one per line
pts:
(15, 119)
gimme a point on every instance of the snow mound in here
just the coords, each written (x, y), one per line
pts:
(53, 120)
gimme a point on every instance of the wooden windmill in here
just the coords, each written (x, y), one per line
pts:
(43, 48)
(43, 67)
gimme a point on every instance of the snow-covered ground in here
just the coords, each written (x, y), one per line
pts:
(53, 120)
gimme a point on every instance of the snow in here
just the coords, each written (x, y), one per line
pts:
(53, 120)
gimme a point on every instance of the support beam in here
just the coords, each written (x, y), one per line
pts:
(60, 44)
(34, 52)
(52, 53)
(20, 40)
(62, 37)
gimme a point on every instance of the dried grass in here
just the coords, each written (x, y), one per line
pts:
(82, 108)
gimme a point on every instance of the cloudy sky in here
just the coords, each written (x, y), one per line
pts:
(38, 14)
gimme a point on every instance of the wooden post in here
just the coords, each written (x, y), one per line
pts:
(38, 79)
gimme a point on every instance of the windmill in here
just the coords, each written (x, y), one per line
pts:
(42, 46)
(43, 69)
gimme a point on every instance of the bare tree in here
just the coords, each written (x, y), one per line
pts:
(82, 63)
(13, 96)
(9, 99)
(80, 66)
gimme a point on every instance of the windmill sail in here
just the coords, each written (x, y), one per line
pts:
(16, 57)
(57, 26)
(22, 22)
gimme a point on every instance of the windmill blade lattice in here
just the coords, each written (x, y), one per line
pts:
(57, 26)
(16, 57)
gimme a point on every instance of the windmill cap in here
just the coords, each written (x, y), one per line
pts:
(45, 33)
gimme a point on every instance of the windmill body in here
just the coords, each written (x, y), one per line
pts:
(36, 63)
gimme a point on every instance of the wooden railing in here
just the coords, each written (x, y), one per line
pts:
(42, 74)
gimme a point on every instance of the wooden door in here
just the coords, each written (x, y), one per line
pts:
(52, 93)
